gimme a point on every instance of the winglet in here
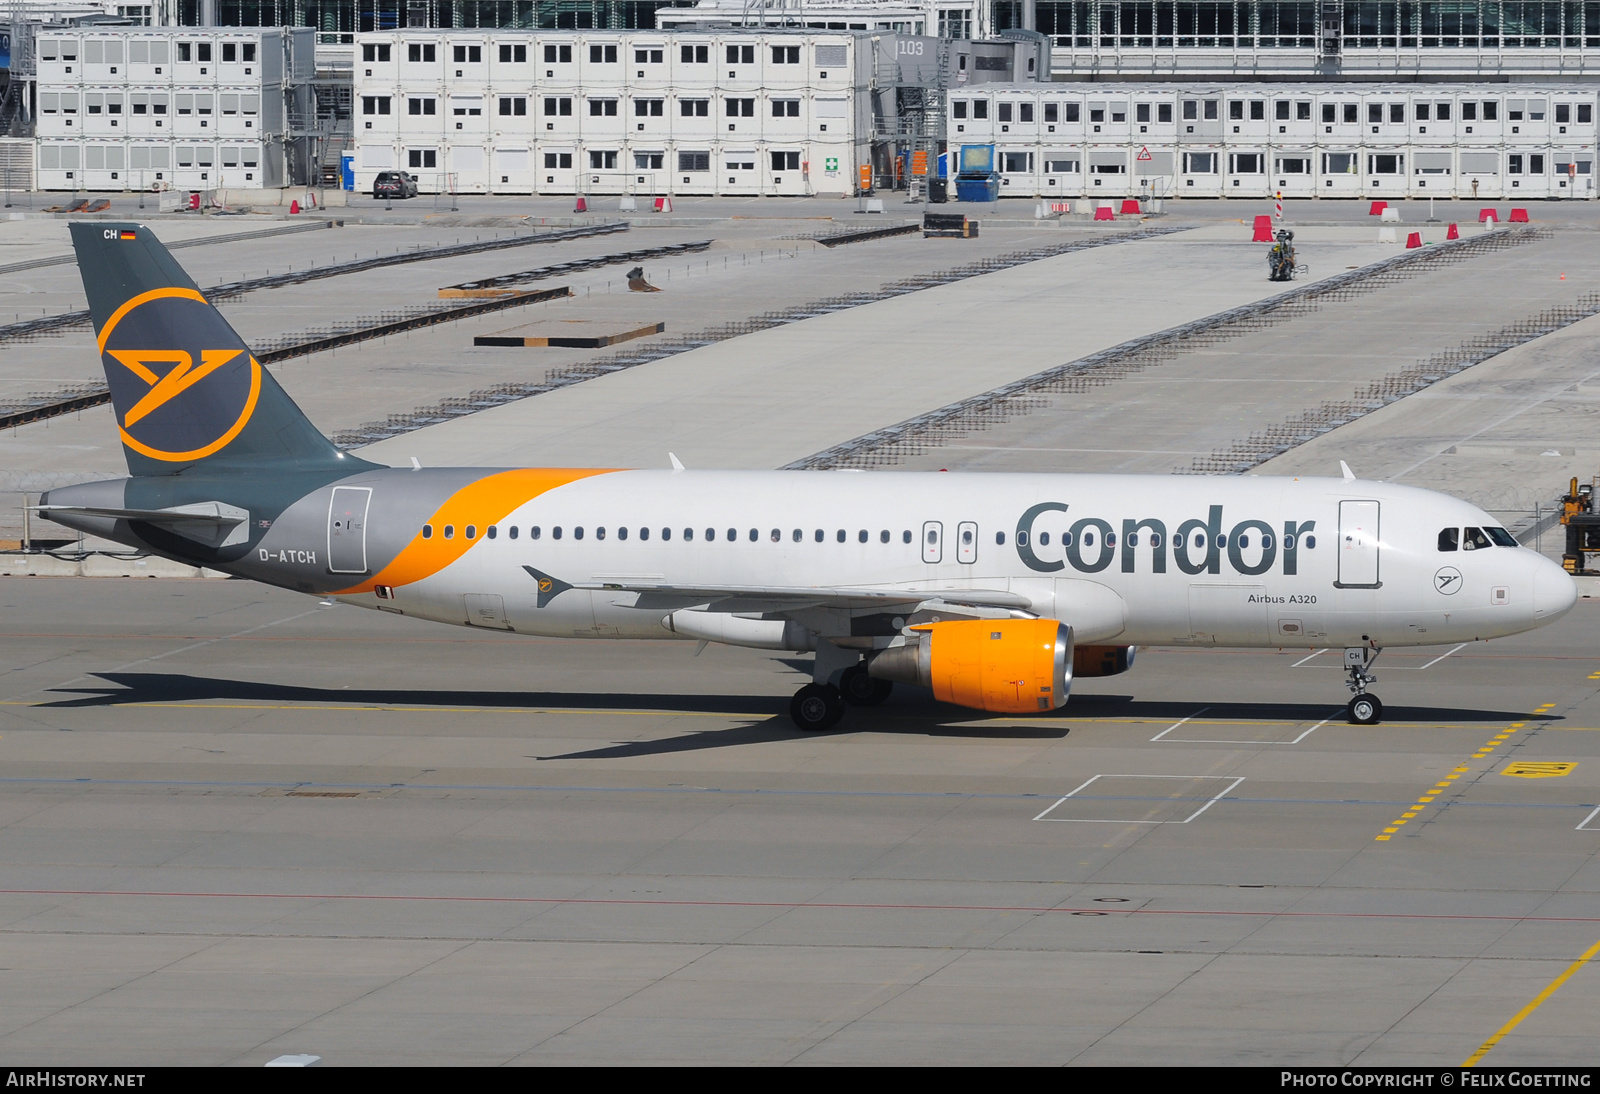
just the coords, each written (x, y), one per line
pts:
(677, 464)
(549, 587)
(1349, 475)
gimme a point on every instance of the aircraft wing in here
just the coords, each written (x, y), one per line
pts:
(795, 596)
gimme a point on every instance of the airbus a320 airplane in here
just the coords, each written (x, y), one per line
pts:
(993, 590)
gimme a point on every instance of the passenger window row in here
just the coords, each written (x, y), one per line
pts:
(1265, 542)
(1470, 539)
(731, 535)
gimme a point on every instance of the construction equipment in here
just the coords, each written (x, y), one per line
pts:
(637, 283)
(1281, 264)
(1583, 527)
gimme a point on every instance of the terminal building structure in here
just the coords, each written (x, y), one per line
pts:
(1332, 98)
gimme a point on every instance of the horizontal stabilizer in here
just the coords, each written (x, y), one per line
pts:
(213, 523)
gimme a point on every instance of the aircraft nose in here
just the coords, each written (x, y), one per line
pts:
(1554, 592)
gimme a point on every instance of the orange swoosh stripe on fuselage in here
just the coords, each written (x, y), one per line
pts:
(487, 501)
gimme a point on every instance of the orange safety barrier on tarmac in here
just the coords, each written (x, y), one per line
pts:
(1377, 208)
(1519, 216)
(1413, 241)
(1453, 232)
(581, 205)
(1104, 213)
(1486, 215)
(1263, 230)
(1130, 207)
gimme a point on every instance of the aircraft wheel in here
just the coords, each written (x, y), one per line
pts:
(861, 690)
(816, 707)
(1365, 710)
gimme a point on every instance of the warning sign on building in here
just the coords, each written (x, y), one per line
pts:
(1144, 155)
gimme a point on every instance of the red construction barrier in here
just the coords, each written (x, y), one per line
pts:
(1263, 230)
(1377, 208)
(581, 205)
(1413, 241)
(1130, 207)
(1103, 212)
(1519, 216)
(1486, 215)
(1453, 233)
(663, 205)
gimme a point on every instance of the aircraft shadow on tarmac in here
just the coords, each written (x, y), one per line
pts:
(912, 712)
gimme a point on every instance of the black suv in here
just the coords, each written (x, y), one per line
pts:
(394, 184)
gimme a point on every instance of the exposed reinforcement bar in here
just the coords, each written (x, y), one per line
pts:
(914, 436)
(33, 328)
(398, 424)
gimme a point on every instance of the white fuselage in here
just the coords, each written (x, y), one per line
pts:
(1135, 560)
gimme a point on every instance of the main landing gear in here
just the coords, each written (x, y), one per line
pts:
(820, 705)
(1363, 709)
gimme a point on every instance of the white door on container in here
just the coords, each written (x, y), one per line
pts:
(1358, 545)
(932, 541)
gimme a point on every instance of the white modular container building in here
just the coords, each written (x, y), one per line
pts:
(726, 111)
(145, 109)
(1488, 141)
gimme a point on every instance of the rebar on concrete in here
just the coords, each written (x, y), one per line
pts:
(915, 436)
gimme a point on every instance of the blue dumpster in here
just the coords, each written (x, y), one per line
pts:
(976, 180)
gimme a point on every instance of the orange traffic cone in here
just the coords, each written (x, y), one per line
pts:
(1413, 241)
(581, 206)
(1452, 233)
(294, 207)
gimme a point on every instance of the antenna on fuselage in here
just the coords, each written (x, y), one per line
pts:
(1349, 475)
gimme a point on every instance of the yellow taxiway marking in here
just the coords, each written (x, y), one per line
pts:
(1536, 769)
(1538, 1001)
(1487, 749)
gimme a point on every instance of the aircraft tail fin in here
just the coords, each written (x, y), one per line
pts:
(185, 388)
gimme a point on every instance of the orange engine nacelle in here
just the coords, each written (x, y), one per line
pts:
(1090, 661)
(1012, 666)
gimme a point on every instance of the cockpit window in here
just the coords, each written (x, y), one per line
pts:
(1501, 537)
(1449, 539)
(1473, 539)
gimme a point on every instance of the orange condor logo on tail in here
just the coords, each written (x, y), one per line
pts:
(182, 383)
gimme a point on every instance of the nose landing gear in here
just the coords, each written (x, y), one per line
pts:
(1363, 709)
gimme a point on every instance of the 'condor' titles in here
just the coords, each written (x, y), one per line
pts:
(1091, 544)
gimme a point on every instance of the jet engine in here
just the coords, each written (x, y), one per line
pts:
(1012, 666)
(1090, 661)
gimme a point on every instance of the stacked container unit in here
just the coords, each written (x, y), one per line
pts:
(183, 108)
(1256, 140)
(727, 112)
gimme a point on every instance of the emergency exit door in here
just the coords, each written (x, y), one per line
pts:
(347, 529)
(1358, 545)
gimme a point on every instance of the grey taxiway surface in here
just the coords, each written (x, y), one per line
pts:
(234, 823)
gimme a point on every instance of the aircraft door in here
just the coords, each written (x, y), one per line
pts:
(1358, 545)
(485, 610)
(347, 529)
(932, 541)
(967, 542)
